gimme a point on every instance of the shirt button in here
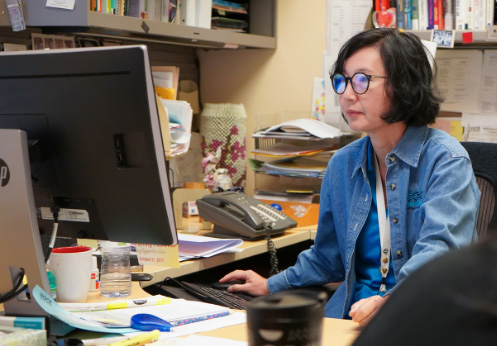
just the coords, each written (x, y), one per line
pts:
(399, 253)
(392, 159)
(395, 220)
(385, 260)
(393, 186)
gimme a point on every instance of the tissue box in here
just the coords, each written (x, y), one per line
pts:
(11, 336)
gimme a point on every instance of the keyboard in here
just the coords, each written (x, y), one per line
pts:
(212, 295)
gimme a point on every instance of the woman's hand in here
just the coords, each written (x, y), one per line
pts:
(254, 285)
(363, 310)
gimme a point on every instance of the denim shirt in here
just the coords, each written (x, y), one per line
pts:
(432, 199)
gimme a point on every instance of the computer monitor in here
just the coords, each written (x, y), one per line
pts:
(88, 118)
(95, 141)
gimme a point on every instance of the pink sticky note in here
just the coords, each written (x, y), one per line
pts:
(467, 37)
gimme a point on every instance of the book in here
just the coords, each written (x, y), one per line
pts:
(415, 14)
(400, 15)
(408, 14)
(431, 15)
(435, 14)
(489, 13)
(479, 16)
(187, 12)
(449, 15)
(461, 14)
(203, 13)
(423, 14)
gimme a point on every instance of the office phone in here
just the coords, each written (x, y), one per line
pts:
(236, 214)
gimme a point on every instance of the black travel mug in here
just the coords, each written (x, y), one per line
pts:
(287, 318)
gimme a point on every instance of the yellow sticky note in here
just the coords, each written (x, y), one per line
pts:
(158, 255)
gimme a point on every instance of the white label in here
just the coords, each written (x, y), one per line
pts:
(65, 4)
(69, 215)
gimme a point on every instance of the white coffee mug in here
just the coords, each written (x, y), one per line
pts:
(71, 267)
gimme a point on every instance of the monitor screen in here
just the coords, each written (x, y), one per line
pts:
(95, 144)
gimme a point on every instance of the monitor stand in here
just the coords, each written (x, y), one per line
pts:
(20, 245)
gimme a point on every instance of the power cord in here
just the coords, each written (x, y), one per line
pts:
(273, 259)
(55, 212)
(18, 288)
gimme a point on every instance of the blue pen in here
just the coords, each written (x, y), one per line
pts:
(149, 322)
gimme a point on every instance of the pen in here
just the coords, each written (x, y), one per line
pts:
(138, 339)
(118, 304)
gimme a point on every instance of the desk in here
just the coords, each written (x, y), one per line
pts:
(248, 249)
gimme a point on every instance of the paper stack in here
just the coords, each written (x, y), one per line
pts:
(192, 246)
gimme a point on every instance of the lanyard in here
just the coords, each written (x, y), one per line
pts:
(384, 225)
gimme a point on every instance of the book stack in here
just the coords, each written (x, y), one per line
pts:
(228, 15)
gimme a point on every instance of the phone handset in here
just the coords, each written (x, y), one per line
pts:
(239, 204)
(238, 214)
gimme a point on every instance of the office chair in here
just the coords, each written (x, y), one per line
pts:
(484, 160)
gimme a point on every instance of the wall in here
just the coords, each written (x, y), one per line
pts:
(269, 81)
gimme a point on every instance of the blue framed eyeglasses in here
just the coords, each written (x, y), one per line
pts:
(359, 81)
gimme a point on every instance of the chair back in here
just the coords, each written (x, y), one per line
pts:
(484, 160)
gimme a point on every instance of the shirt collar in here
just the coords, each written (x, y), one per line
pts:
(411, 144)
(408, 149)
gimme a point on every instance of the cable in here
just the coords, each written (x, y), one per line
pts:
(18, 288)
(273, 259)
(55, 211)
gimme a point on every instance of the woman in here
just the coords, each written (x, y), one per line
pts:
(386, 89)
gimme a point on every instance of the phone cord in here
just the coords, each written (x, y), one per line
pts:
(273, 259)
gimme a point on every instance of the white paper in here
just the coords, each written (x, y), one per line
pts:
(459, 76)
(479, 127)
(314, 127)
(163, 79)
(209, 341)
(432, 49)
(199, 246)
(488, 92)
(345, 19)
(65, 4)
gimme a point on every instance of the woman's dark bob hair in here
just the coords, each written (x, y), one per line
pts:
(411, 81)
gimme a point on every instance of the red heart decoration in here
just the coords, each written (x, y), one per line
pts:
(384, 19)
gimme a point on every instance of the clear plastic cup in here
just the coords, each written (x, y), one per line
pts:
(115, 272)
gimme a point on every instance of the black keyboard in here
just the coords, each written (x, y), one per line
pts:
(212, 295)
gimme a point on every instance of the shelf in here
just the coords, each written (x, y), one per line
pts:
(479, 37)
(83, 22)
(106, 25)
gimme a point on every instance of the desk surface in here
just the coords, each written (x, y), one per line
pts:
(335, 332)
(248, 249)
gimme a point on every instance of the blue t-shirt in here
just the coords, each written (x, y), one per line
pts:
(368, 248)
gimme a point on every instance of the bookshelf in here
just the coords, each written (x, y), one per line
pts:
(83, 22)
